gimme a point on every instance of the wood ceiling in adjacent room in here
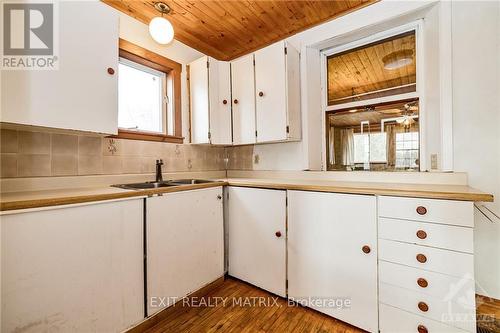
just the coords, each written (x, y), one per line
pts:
(228, 29)
(361, 73)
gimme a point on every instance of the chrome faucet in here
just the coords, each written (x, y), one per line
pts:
(159, 176)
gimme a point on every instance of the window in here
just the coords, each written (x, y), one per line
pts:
(407, 150)
(372, 102)
(370, 148)
(149, 102)
(142, 98)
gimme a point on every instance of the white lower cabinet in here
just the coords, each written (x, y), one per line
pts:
(426, 265)
(257, 237)
(185, 244)
(73, 268)
(328, 267)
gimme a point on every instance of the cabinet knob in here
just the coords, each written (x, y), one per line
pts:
(421, 258)
(235, 101)
(219, 197)
(278, 234)
(422, 282)
(421, 234)
(224, 102)
(366, 249)
(421, 210)
(423, 306)
(422, 329)
(111, 71)
(261, 94)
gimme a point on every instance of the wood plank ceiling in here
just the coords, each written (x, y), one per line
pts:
(360, 74)
(228, 29)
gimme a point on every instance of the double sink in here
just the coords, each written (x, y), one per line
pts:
(160, 184)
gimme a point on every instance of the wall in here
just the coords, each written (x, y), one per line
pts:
(383, 15)
(137, 32)
(42, 153)
(476, 123)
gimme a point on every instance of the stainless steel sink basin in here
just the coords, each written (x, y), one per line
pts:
(145, 185)
(190, 181)
(167, 183)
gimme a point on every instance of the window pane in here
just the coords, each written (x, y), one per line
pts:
(383, 68)
(140, 95)
(378, 147)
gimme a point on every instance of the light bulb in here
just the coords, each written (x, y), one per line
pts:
(161, 30)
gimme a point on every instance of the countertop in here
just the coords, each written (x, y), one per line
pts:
(33, 199)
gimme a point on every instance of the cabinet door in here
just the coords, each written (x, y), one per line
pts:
(270, 89)
(326, 234)
(185, 244)
(220, 102)
(198, 94)
(243, 90)
(80, 95)
(257, 252)
(73, 269)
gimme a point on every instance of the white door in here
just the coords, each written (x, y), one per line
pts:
(326, 260)
(80, 95)
(270, 89)
(220, 102)
(257, 237)
(73, 269)
(243, 91)
(198, 94)
(185, 244)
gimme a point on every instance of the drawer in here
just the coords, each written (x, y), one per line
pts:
(453, 263)
(429, 234)
(437, 285)
(394, 320)
(446, 312)
(429, 210)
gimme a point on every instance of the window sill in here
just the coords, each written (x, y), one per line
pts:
(144, 136)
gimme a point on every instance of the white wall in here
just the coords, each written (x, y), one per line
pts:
(307, 154)
(137, 32)
(476, 123)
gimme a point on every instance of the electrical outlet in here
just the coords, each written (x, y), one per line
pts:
(256, 159)
(434, 161)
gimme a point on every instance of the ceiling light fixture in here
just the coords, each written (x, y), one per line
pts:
(398, 59)
(160, 29)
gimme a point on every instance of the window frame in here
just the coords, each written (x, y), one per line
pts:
(356, 42)
(172, 69)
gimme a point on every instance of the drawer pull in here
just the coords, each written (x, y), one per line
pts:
(421, 258)
(422, 282)
(421, 210)
(224, 101)
(422, 329)
(235, 101)
(261, 94)
(278, 234)
(421, 234)
(366, 249)
(423, 306)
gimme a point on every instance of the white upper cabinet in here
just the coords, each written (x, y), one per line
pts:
(277, 91)
(80, 95)
(220, 102)
(210, 98)
(198, 88)
(243, 95)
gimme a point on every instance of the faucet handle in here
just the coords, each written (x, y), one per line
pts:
(159, 162)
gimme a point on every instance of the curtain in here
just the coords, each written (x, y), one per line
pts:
(347, 144)
(391, 144)
(331, 146)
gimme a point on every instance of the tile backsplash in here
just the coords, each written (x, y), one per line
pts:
(38, 154)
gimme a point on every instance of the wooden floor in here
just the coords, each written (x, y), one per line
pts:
(237, 316)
